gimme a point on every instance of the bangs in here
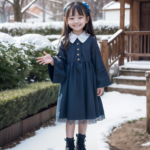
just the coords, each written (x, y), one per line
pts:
(75, 7)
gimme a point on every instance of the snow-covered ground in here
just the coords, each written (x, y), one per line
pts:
(118, 108)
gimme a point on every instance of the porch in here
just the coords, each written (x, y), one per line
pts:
(132, 47)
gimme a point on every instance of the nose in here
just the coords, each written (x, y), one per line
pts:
(76, 20)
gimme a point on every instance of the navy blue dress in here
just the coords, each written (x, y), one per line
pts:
(79, 77)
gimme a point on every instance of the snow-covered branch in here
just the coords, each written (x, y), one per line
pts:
(54, 1)
(10, 1)
(26, 7)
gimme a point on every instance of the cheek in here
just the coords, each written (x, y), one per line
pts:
(70, 21)
(82, 21)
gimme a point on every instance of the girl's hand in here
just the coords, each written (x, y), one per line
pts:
(46, 59)
(100, 91)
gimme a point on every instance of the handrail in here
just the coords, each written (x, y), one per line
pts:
(137, 32)
(137, 54)
(115, 35)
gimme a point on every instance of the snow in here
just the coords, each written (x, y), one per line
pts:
(114, 35)
(131, 65)
(6, 38)
(117, 106)
(38, 39)
(11, 1)
(130, 77)
(146, 144)
(57, 25)
(124, 86)
(27, 6)
(114, 5)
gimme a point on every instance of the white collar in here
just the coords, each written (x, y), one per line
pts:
(82, 37)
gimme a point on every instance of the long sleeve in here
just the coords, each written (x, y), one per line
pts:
(57, 73)
(102, 77)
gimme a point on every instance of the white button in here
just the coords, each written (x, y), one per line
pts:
(77, 43)
(78, 59)
(78, 54)
(77, 48)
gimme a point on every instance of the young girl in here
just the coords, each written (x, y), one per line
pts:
(79, 67)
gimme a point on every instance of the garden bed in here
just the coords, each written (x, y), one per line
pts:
(130, 136)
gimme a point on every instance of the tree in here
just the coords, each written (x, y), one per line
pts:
(4, 11)
(18, 10)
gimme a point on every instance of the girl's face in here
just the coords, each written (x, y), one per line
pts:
(77, 22)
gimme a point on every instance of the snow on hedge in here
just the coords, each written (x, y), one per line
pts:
(55, 27)
(18, 25)
(6, 38)
(37, 40)
(34, 39)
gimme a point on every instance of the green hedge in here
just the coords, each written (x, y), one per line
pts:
(17, 104)
(19, 29)
(19, 66)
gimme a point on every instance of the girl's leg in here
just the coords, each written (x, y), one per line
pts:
(82, 128)
(70, 130)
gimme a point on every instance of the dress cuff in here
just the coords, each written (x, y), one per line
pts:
(57, 73)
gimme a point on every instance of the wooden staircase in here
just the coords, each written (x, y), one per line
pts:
(131, 79)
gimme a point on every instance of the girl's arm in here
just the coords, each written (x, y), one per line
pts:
(57, 67)
(102, 77)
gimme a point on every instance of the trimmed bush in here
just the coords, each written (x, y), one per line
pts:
(18, 65)
(18, 104)
(101, 27)
(14, 66)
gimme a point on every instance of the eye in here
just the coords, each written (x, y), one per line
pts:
(80, 17)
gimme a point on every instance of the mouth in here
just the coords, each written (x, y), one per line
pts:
(77, 25)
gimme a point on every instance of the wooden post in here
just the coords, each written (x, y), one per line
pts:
(131, 16)
(121, 60)
(147, 74)
(122, 14)
(104, 53)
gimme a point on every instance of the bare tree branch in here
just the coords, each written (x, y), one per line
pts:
(54, 1)
(10, 1)
(26, 7)
(22, 2)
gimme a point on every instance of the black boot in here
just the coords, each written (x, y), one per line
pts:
(70, 144)
(80, 145)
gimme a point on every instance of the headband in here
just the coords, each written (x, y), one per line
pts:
(85, 4)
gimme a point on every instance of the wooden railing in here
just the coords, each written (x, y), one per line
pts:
(112, 49)
(137, 41)
(127, 44)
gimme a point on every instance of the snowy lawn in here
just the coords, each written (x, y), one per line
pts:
(117, 106)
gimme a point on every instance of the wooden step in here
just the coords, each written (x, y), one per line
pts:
(128, 89)
(139, 73)
(130, 80)
(136, 66)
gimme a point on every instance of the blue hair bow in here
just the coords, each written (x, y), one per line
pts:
(87, 6)
(66, 6)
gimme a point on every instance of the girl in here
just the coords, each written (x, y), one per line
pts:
(79, 67)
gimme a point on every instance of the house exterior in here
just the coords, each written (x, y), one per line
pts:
(35, 14)
(113, 9)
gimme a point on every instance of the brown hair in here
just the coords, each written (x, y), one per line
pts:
(81, 9)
